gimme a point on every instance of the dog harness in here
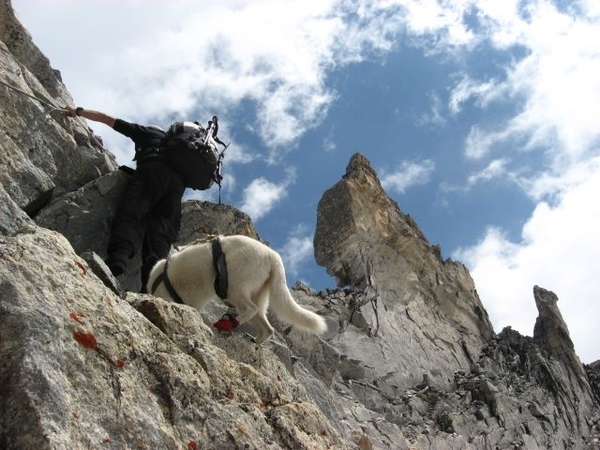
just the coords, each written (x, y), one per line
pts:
(164, 278)
(221, 279)
(220, 264)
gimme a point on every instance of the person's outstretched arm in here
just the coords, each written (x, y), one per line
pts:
(90, 114)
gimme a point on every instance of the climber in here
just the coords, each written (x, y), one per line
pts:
(150, 210)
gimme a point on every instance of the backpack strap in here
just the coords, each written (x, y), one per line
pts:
(221, 280)
(164, 278)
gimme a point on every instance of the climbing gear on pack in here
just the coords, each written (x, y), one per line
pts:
(192, 151)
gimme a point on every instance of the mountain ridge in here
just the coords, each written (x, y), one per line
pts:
(410, 361)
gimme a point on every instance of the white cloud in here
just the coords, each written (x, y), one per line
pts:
(561, 85)
(591, 8)
(558, 252)
(297, 251)
(329, 144)
(479, 143)
(187, 59)
(557, 81)
(216, 55)
(434, 116)
(482, 92)
(495, 169)
(443, 20)
(261, 195)
(560, 89)
(557, 86)
(407, 174)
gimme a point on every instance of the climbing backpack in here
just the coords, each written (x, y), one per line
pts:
(192, 151)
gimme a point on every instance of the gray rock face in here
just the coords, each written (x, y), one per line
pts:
(430, 305)
(45, 156)
(200, 219)
(81, 367)
(12, 218)
(410, 360)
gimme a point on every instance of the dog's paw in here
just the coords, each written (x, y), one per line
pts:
(262, 338)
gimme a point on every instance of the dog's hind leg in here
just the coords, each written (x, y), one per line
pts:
(253, 308)
(264, 328)
(246, 309)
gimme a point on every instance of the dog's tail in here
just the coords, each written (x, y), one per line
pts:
(285, 307)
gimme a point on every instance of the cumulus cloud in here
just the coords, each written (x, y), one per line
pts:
(441, 20)
(262, 195)
(297, 250)
(215, 56)
(434, 117)
(479, 143)
(495, 169)
(187, 60)
(482, 92)
(556, 252)
(407, 174)
(556, 82)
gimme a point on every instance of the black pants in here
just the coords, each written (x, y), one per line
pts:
(149, 215)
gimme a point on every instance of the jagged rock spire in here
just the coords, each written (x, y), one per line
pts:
(356, 214)
(411, 360)
(365, 240)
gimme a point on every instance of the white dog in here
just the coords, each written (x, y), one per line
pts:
(256, 276)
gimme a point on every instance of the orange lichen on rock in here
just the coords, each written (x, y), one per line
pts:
(88, 340)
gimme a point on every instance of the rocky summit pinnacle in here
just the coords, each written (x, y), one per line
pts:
(410, 360)
(357, 216)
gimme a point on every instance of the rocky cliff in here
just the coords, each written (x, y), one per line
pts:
(410, 360)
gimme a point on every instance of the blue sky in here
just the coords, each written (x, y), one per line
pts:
(480, 118)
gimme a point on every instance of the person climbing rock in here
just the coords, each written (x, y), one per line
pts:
(149, 213)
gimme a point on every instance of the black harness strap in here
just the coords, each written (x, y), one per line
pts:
(164, 278)
(221, 280)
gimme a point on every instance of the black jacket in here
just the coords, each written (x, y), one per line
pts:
(148, 140)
